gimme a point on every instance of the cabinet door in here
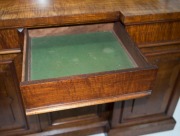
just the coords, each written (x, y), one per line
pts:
(162, 48)
(160, 105)
(163, 90)
(12, 117)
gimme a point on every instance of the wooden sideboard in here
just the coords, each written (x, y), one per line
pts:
(153, 25)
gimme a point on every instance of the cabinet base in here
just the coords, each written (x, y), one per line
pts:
(145, 128)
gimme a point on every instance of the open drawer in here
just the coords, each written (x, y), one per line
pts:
(76, 66)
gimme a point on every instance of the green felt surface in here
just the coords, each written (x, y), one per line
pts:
(60, 56)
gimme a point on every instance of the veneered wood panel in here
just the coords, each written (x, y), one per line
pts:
(7, 115)
(12, 118)
(169, 68)
(12, 114)
(41, 13)
(154, 33)
(143, 128)
(164, 48)
(59, 119)
(112, 85)
(131, 11)
(17, 61)
(9, 39)
(159, 42)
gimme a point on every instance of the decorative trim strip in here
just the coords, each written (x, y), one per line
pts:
(148, 45)
(10, 51)
(57, 107)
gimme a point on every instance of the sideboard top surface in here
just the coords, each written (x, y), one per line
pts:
(30, 13)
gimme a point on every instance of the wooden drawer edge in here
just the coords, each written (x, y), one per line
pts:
(10, 51)
(57, 107)
(158, 44)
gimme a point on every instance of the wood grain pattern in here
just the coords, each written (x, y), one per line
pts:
(34, 13)
(9, 39)
(17, 61)
(141, 128)
(88, 89)
(161, 48)
(12, 118)
(79, 103)
(9, 100)
(97, 89)
(10, 51)
(79, 128)
(41, 13)
(61, 119)
(144, 34)
(159, 42)
(169, 68)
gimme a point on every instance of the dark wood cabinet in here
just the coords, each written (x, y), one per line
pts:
(160, 44)
(153, 27)
(12, 115)
(161, 47)
(9, 39)
(13, 120)
(163, 89)
(79, 121)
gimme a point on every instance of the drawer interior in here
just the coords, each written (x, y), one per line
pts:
(61, 56)
(68, 51)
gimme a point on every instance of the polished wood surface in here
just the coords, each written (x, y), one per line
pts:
(29, 13)
(56, 94)
(152, 24)
(9, 95)
(161, 103)
(141, 128)
(9, 39)
(160, 43)
(12, 118)
(154, 33)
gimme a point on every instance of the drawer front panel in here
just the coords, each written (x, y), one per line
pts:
(154, 33)
(9, 39)
(92, 90)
